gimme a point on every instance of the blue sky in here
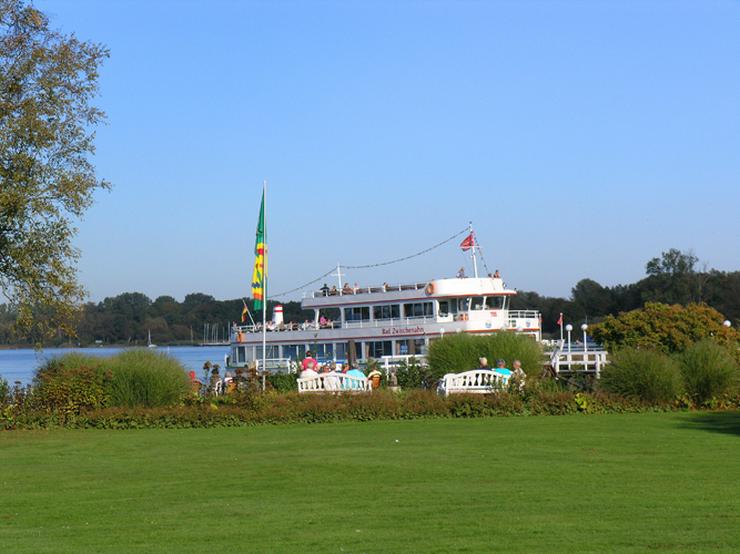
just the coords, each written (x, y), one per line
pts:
(581, 138)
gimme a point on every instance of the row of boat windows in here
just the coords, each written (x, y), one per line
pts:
(424, 309)
(329, 351)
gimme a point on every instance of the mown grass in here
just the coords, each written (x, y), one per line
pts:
(630, 483)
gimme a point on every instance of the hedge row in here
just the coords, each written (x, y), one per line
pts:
(381, 405)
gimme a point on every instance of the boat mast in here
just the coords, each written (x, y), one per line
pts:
(472, 251)
(338, 275)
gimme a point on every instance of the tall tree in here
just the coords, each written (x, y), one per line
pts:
(47, 129)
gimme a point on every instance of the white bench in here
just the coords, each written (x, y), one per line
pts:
(476, 381)
(334, 382)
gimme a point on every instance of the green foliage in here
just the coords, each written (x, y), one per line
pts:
(460, 352)
(648, 375)
(283, 382)
(413, 375)
(145, 378)
(663, 327)
(4, 391)
(47, 124)
(709, 371)
(274, 407)
(70, 384)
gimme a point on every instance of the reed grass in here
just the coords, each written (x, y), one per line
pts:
(144, 378)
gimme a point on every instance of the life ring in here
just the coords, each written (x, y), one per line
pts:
(430, 288)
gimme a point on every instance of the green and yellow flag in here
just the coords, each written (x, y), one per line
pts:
(259, 275)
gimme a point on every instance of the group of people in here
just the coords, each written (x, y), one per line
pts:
(330, 371)
(515, 374)
(334, 291)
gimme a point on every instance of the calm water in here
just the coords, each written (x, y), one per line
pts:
(19, 365)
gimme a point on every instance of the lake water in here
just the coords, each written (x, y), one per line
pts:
(20, 364)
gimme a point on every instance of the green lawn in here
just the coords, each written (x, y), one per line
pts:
(591, 483)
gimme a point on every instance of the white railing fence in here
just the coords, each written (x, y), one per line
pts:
(333, 382)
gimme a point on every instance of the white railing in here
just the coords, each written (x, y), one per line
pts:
(347, 290)
(524, 314)
(476, 381)
(577, 358)
(276, 365)
(390, 362)
(371, 323)
(333, 382)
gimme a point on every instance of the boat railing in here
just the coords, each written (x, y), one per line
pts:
(348, 290)
(273, 328)
(524, 318)
(370, 323)
(394, 362)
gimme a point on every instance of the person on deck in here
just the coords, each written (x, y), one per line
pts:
(325, 290)
(347, 289)
(483, 363)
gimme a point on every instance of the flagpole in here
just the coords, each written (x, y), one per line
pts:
(264, 288)
(560, 321)
(475, 261)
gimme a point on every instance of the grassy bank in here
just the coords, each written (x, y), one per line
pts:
(631, 482)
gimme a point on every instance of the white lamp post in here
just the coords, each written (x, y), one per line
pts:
(569, 328)
(583, 328)
(727, 323)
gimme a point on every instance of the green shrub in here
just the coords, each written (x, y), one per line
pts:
(669, 328)
(4, 391)
(412, 375)
(645, 374)
(71, 383)
(283, 382)
(144, 378)
(461, 351)
(708, 371)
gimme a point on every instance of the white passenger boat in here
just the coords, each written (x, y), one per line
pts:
(384, 321)
(359, 323)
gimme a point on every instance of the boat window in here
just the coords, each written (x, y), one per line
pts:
(290, 351)
(418, 309)
(272, 352)
(495, 302)
(478, 302)
(376, 349)
(463, 304)
(340, 350)
(323, 352)
(241, 356)
(447, 307)
(391, 311)
(357, 313)
(420, 347)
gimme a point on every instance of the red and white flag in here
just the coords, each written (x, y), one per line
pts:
(468, 242)
(560, 319)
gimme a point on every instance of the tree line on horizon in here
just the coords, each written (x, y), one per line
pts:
(129, 317)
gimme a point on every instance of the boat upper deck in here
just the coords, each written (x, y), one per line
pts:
(438, 288)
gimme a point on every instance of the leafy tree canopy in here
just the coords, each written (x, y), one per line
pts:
(47, 122)
(665, 327)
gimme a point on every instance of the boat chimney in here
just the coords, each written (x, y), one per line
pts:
(277, 315)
